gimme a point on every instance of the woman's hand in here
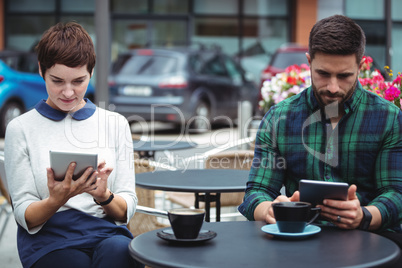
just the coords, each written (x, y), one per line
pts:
(61, 191)
(99, 189)
(117, 208)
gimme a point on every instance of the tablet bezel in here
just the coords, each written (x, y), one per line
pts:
(60, 160)
(315, 192)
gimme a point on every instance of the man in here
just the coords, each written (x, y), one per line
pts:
(332, 131)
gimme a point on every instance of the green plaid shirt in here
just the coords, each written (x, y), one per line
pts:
(295, 141)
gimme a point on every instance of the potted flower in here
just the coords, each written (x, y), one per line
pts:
(297, 78)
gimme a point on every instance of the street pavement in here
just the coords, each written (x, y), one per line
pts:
(206, 141)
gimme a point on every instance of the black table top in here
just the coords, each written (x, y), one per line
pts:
(243, 244)
(195, 180)
(161, 145)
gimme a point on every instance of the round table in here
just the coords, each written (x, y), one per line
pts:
(197, 181)
(147, 148)
(243, 244)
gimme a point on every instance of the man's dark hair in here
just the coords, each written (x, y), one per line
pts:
(337, 35)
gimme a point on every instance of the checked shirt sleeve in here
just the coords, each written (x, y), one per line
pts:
(267, 173)
(389, 175)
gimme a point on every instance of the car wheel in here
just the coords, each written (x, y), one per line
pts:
(200, 122)
(10, 111)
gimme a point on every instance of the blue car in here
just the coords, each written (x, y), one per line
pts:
(21, 86)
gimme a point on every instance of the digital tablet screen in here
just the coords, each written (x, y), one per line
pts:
(315, 192)
(60, 160)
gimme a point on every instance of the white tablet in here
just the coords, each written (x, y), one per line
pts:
(315, 192)
(60, 160)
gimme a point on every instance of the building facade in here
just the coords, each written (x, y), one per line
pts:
(250, 30)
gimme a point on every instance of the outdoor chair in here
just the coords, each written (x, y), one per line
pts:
(5, 201)
(143, 220)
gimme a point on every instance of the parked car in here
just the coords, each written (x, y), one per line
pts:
(187, 86)
(284, 56)
(21, 86)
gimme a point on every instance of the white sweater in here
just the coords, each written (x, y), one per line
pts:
(29, 138)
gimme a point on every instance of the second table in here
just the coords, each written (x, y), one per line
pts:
(196, 181)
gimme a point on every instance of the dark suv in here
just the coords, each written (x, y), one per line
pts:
(196, 87)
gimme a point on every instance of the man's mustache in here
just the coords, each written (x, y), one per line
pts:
(332, 95)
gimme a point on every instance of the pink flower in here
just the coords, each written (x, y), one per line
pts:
(391, 93)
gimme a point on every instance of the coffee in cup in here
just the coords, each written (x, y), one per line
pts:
(186, 222)
(293, 217)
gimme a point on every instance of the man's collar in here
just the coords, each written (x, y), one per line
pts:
(84, 113)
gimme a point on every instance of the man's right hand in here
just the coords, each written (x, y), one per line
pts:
(264, 211)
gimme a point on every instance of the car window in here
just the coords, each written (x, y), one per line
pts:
(283, 60)
(11, 61)
(214, 67)
(149, 65)
(195, 63)
(232, 69)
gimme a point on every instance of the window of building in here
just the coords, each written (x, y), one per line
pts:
(220, 32)
(28, 6)
(222, 7)
(23, 32)
(170, 6)
(265, 7)
(365, 9)
(129, 6)
(370, 15)
(78, 6)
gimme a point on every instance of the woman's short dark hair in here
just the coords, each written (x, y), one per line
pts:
(337, 35)
(68, 44)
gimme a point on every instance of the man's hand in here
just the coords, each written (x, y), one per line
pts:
(344, 214)
(265, 212)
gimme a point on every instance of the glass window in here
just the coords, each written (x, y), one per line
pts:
(375, 41)
(213, 32)
(265, 7)
(131, 34)
(262, 38)
(283, 60)
(195, 63)
(129, 6)
(78, 6)
(169, 33)
(23, 32)
(128, 34)
(214, 67)
(232, 69)
(396, 64)
(171, 6)
(28, 6)
(396, 7)
(149, 65)
(365, 9)
(85, 21)
(216, 7)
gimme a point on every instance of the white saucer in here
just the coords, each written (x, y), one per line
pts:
(273, 230)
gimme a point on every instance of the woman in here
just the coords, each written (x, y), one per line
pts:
(70, 223)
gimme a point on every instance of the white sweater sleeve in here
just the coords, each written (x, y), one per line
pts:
(19, 176)
(124, 183)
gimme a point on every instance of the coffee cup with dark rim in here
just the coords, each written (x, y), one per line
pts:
(186, 222)
(293, 217)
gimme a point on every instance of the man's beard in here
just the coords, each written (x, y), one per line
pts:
(344, 96)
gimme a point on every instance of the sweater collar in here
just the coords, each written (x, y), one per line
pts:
(84, 113)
